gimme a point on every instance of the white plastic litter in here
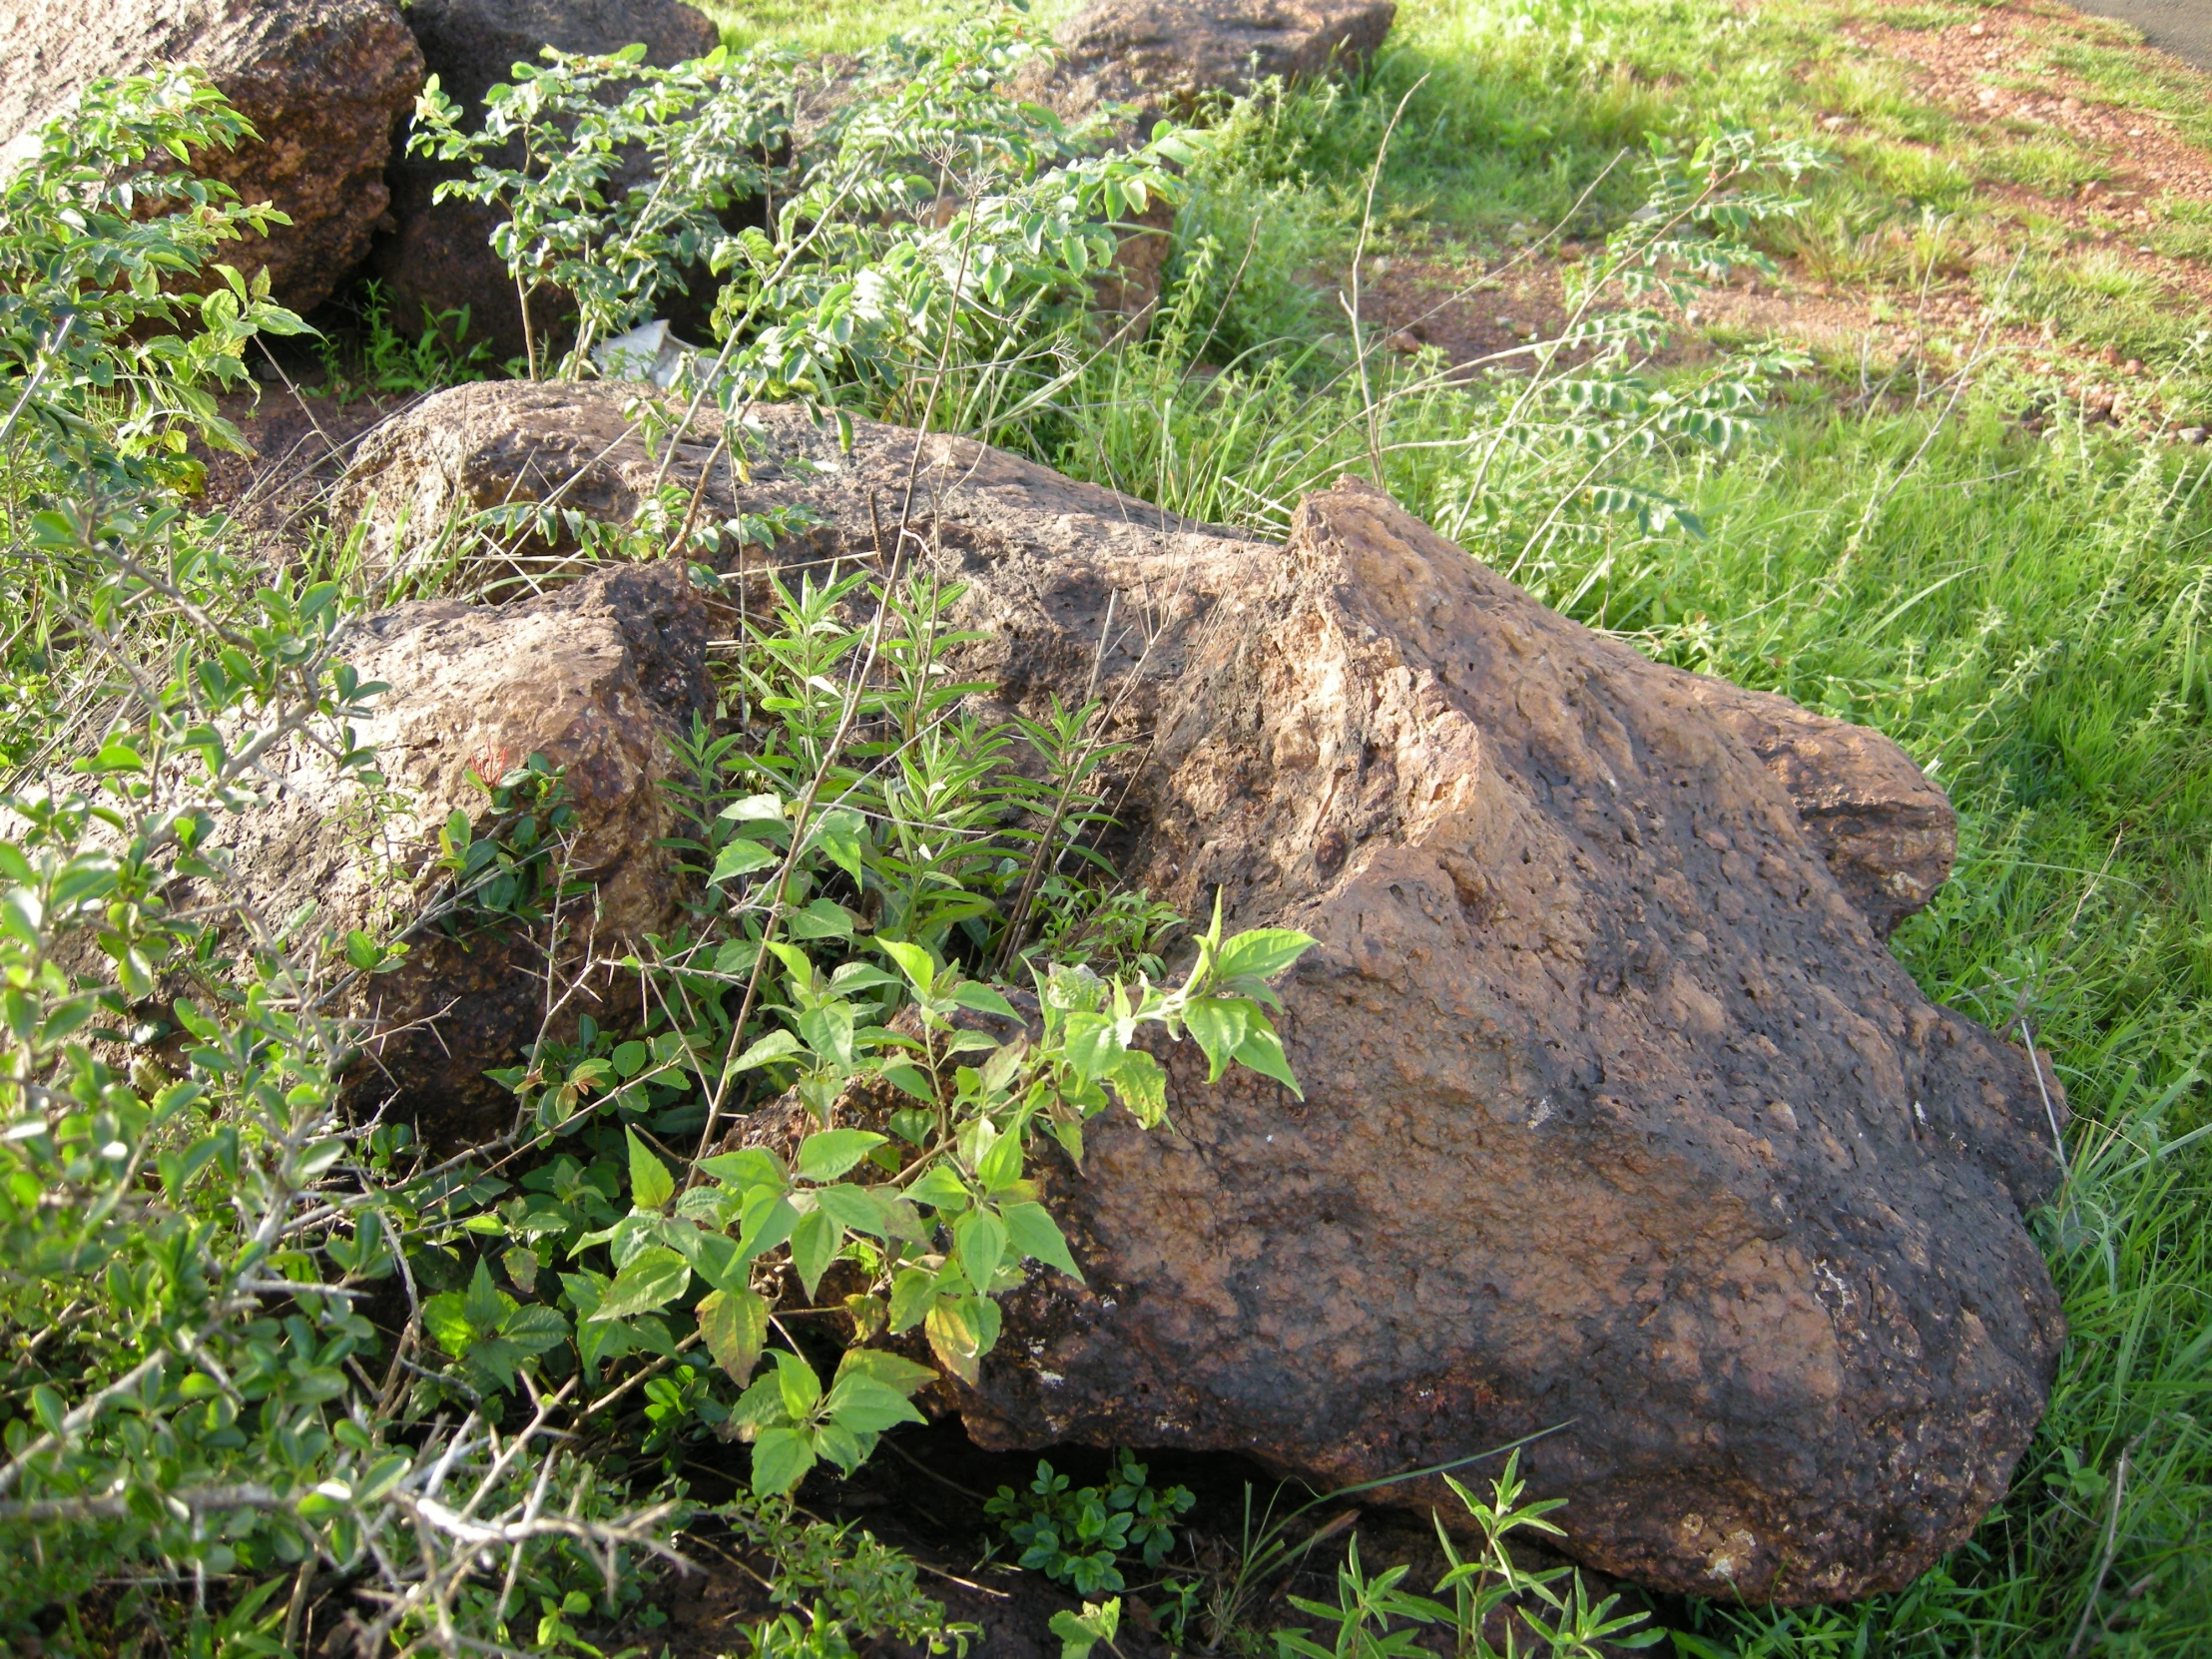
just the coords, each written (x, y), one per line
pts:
(647, 352)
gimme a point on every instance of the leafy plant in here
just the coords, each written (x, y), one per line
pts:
(1079, 1537)
(511, 871)
(1377, 1618)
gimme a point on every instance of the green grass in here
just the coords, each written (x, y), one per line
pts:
(2029, 613)
(2031, 616)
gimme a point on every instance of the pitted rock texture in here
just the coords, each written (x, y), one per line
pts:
(598, 677)
(322, 82)
(440, 256)
(1619, 1122)
(1165, 56)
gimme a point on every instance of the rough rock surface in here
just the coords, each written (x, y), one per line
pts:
(1619, 1121)
(322, 82)
(1165, 55)
(598, 677)
(440, 256)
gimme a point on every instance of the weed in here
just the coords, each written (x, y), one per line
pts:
(1079, 1537)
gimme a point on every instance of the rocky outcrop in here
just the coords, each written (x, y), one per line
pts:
(1164, 56)
(1620, 1127)
(598, 677)
(441, 257)
(322, 82)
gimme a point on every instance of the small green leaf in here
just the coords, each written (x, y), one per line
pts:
(651, 1185)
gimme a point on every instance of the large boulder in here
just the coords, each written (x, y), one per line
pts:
(600, 677)
(440, 256)
(322, 82)
(1165, 56)
(1620, 1126)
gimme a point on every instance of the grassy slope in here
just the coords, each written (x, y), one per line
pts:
(2029, 614)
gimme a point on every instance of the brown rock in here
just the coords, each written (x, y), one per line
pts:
(1166, 55)
(442, 257)
(1887, 834)
(320, 79)
(598, 677)
(1620, 1126)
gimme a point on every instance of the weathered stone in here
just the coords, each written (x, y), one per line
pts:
(442, 257)
(320, 79)
(1620, 1125)
(598, 677)
(1164, 56)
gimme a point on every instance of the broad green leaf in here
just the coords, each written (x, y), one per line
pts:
(858, 1208)
(768, 1219)
(734, 1326)
(755, 809)
(828, 1029)
(651, 1185)
(912, 1291)
(750, 1166)
(1141, 1084)
(484, 1307)
(781, 1459)
(984, 1000)
(1262, 1051)
(840, 834)
(1091, 1041)
(864, 1406)
(796, 1382)
(774, 1046)
(1000, 1167)
(828, 1154)
(981, 1241)
(1219, 1024)
(814, 1242)
(448, 1325)
(913, 961)
(824, 918)
(941, 1189)
(890, 1370)
(535, 1329)
(1262, 952)
(953, 1338)
(742, 857)
(1033, 1232)
(653, 1277)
